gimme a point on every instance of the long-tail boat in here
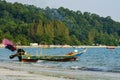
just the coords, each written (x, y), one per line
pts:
(25, 57)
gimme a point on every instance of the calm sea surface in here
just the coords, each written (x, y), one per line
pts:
(95, 59)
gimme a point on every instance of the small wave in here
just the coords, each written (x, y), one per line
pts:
(95, 69)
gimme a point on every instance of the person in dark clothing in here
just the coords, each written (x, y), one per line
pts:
(19, 54)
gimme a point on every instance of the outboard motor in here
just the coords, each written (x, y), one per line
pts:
(19, 54)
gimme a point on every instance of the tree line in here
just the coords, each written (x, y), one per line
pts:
(24, 24)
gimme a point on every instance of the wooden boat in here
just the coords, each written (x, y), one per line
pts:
(110, 47)
(25, 57)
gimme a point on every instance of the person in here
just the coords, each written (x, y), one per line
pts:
(19, 54)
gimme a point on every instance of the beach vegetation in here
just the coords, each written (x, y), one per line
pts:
(27, 24)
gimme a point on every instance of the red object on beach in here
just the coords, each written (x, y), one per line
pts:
(9, 45)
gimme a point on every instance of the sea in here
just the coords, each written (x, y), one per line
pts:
(94, 59)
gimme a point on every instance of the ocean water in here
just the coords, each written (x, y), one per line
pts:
(95, 59)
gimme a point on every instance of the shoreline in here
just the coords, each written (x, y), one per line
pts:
(17, 72)
(63, 46)
(23, 71)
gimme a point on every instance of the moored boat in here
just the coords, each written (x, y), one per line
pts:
(25, 57)
(110, 47)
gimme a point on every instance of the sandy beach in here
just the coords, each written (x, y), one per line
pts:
(31, 71)
(21, 71)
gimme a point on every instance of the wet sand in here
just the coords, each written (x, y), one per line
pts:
(32, 71)
(12, 71)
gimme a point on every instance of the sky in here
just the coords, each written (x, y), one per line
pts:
(103, 8)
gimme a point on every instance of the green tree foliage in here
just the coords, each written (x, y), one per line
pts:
(26, 23)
